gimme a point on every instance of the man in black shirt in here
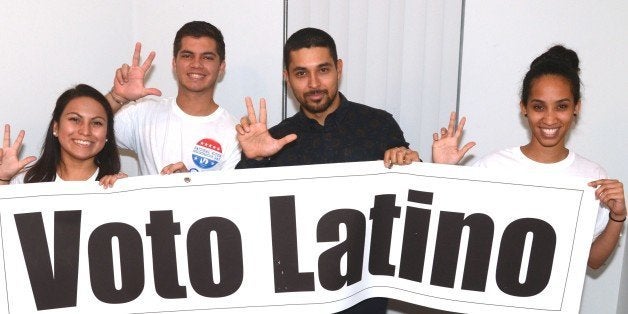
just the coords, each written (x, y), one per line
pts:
(328, 128)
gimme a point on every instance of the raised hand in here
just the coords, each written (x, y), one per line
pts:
(10, 164)
(255, 140)
(445, 148)
(128, 84)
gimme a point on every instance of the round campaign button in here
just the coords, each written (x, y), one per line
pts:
(207, 153)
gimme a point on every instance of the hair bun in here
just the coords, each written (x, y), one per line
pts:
(557, 60)
(558, 55)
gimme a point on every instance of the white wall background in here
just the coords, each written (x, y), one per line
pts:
(49, 46)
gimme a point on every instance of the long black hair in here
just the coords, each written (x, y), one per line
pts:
(108, 159)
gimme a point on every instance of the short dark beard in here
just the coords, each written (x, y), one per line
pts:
(319, 109)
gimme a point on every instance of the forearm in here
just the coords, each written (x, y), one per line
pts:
(604, 244)
(116, 102)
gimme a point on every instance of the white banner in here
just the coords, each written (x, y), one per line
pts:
(310, 238)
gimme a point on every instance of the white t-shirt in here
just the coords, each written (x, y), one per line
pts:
(574, 164)
(162, 134)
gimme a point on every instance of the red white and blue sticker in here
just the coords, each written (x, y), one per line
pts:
(206, 153)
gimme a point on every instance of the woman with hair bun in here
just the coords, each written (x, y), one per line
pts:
(550, 101)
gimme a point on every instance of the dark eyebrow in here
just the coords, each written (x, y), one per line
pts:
(326, 64)
(541, 101)
(80, 115)
(204, 53)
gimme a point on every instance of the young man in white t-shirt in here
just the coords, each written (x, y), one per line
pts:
(190, 132)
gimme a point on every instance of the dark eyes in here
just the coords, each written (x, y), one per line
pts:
(538, 107)
(304, 73)
(77, 120)
(541, 107)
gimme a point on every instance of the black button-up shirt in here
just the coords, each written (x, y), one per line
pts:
(353, 132)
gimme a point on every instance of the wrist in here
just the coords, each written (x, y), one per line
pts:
(118, 99)
(5, 181)
(616, 218)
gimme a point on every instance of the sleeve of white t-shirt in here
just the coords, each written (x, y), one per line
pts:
(18, 178)
(125, 124)
(233, 158)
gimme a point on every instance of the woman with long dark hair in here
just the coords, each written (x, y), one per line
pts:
(79, 145)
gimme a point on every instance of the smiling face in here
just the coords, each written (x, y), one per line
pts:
(313, 77)
(197, 65)
(550, 110)
(81, 130)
